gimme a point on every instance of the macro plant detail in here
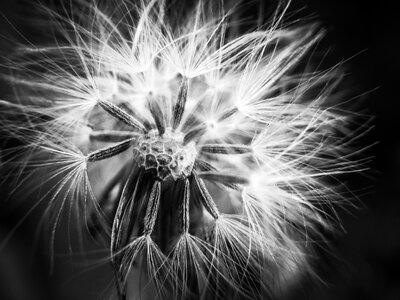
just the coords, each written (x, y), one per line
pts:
(206, 159)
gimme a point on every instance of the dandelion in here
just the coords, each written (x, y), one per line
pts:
(205, 159)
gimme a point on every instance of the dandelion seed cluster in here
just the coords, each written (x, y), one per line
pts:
(165, 155)
(204, 158)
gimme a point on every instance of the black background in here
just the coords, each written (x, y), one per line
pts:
(365, 262)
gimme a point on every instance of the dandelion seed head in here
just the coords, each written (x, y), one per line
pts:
(127, 100)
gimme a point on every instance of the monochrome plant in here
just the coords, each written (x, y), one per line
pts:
(209, 160)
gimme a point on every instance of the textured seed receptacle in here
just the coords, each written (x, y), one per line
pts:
(166, 155)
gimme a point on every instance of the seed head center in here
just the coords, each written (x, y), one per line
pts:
(166, 155)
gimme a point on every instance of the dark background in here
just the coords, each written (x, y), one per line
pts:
(365, 260)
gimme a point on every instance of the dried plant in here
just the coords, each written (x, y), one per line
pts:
(205, 158)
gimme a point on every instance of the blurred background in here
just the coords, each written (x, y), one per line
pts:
(363, 262)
